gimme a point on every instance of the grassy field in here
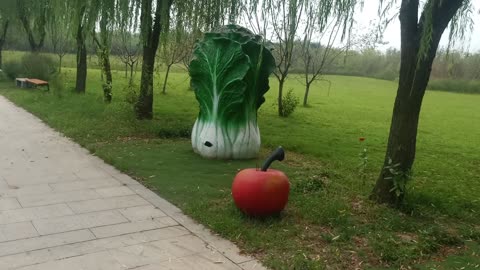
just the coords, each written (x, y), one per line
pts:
(329, 222)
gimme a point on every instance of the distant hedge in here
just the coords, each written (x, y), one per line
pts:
(36, 66)
(456, 86)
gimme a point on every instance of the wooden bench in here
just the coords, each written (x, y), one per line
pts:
(36, 82)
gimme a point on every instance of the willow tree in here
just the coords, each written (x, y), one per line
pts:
(176, 43)
(150, 28)
(127, 43)
(207, 13)
(283, 18)
(320, 33)
(6, 8)
(59, 28)
(420, 37)
(33, 17)
(107, 14)
(83, 22)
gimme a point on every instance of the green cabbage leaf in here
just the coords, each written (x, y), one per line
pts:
(229, 74)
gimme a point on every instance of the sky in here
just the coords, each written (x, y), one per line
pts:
(392, 33)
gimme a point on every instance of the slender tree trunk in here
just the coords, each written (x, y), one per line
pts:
(131, 73)
(126, 70)
(40, 24)
(144, 105)
(415, 69)
(2, 40)
(60, 58)
(164, 91)
(81, 62)
(107, 88)
(281, 83)
(1, 57)
(307, 91)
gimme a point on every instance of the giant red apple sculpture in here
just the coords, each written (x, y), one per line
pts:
(262, 192)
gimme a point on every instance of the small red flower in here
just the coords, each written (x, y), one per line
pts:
(361, 139)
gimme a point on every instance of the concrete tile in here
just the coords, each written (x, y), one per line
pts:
(14, 231)
(156, 200)
(34, 179)
(92, 246)
(114, 191)
(29, 244)
(157, 252)
(27, 214)
(93, 261)
(76, 222)
(125, 228)
(182, 246)
(166, 221)
(144, 212)
(84, 184)
(15, 191)
(57, 197)
(227, 248)
(92, 173)
(107, 204)
(9, 203)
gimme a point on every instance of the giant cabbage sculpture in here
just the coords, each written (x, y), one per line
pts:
(229, 74)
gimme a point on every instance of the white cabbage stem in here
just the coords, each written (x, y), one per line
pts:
(213, 140)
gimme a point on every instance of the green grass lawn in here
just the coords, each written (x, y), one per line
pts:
(329, 221)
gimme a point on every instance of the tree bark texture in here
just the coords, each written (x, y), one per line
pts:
(151, 37)
(35, 46)
(81, 61)
(417, 55)
(3, 36)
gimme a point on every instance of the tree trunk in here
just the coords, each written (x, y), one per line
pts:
(81, 62)
(60, 58)
(281, 82)
(2, 40)
(305, 97)
(39, 24)
(126, 70)
(144, 105)
(131, 74)
(107, 88)
(1, 58)
(415, 72)
(164, 91)
(151, 36)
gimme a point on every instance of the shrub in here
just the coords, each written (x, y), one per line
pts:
(3, 76)
(290, 103)
(13, 69)
(131, 95)
(39, 66)
(36, 66)
(57, 85)
(456, 86)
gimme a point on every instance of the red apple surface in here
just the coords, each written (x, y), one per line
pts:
(260, 193)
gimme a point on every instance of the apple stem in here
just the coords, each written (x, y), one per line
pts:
(278, 154)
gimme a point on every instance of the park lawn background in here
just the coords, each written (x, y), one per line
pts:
(329, 220)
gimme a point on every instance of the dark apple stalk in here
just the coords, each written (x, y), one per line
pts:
(278, 154)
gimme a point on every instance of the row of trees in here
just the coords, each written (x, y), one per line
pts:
(320, 24)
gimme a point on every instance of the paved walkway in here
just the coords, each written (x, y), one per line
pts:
(64, 209)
